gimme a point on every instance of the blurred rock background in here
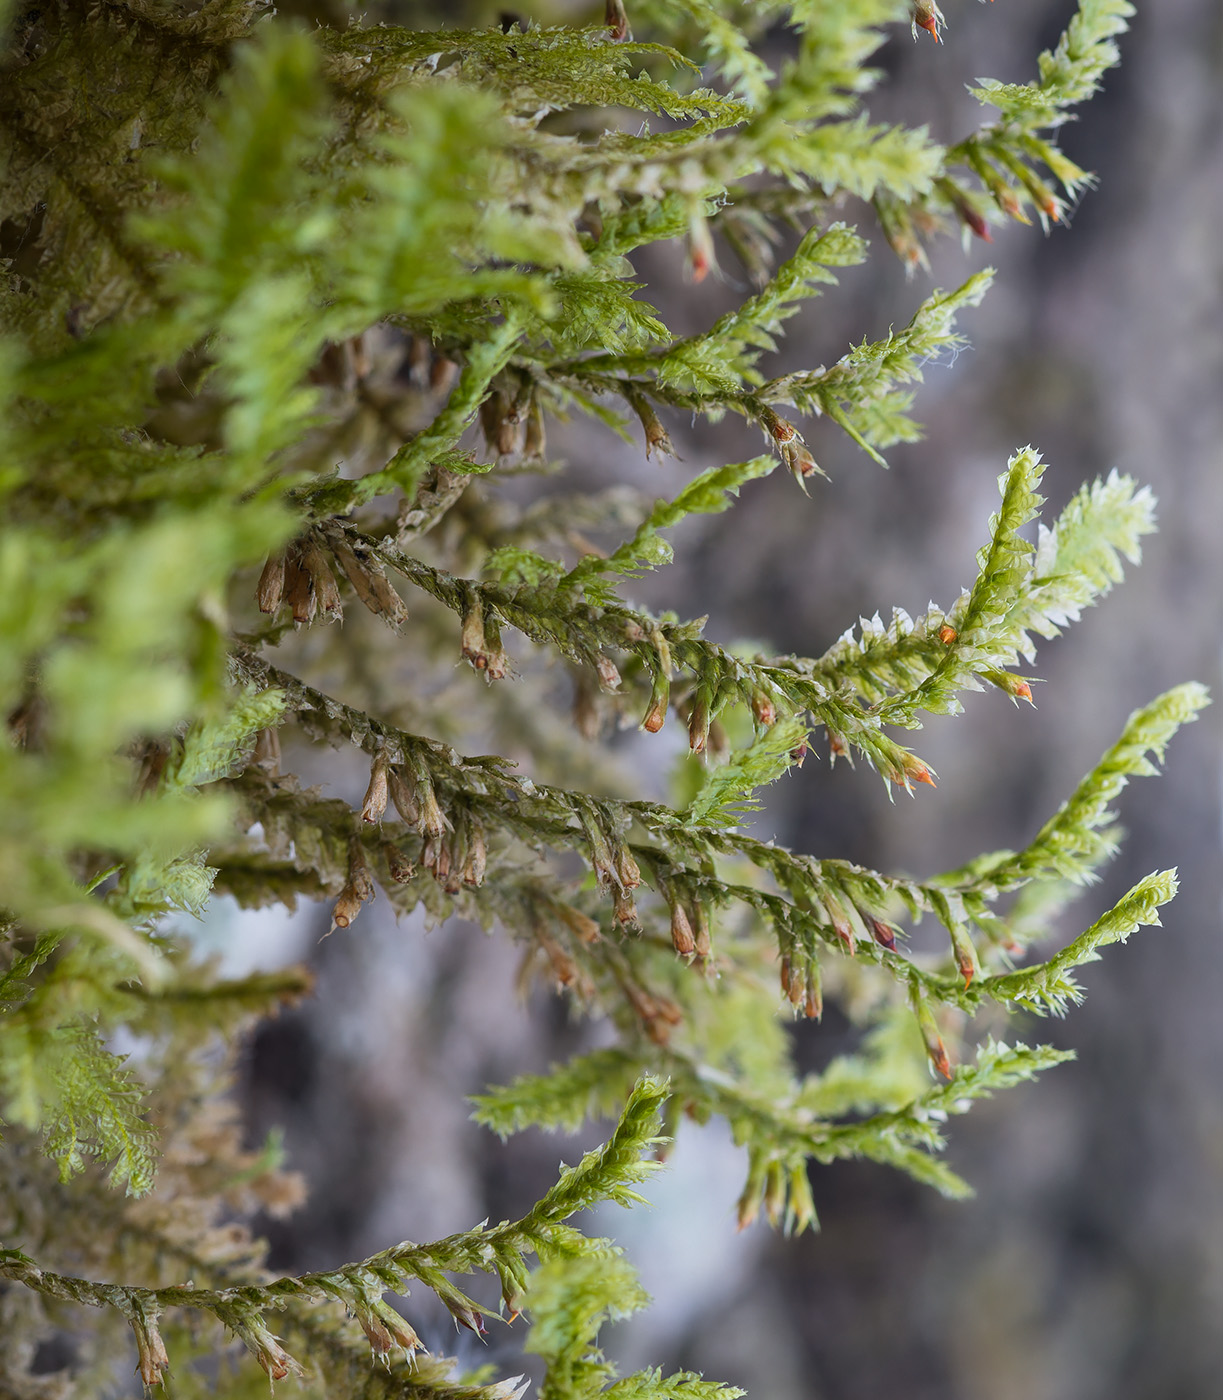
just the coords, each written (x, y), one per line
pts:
(1090, 1265)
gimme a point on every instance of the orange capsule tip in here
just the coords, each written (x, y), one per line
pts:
(917, 773)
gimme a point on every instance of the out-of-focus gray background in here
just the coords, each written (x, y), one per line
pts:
(1090, 1263)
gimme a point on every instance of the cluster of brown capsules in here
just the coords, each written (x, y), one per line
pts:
(302, 578)
(454, 851)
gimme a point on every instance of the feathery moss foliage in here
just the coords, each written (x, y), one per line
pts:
(282, 311)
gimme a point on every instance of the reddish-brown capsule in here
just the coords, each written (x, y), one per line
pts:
(391, 606)
(511, 435)
(763, 709)
(1010, 204)
(933, 1041)
(698, 723)
(434, 823)
(938, 1056)
(624, 911)
(347, 907)
(947, 634)
(682, 938)
(657, 439)
(912, 770)
(927, 16)
(660, 690)
(359, 874)
(299, 589)
(964, 952)
(616, 19)
(498, 423)
(843, 929)
(884, 934)
(271, 584)
(966, 211)
(655, 717)
(314, 561)
(150, 1348)
(476, 862)
(813, 1002)
(398, 865)
(975, 221)
(374, 804)
(799, 459)
(383, 1327)
(964, 962)
(498, 663)
(472, 638)
(436, 859)
(626, 870)
(656, 436)
(1015, 686)
(357, 574)
(403, 798)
